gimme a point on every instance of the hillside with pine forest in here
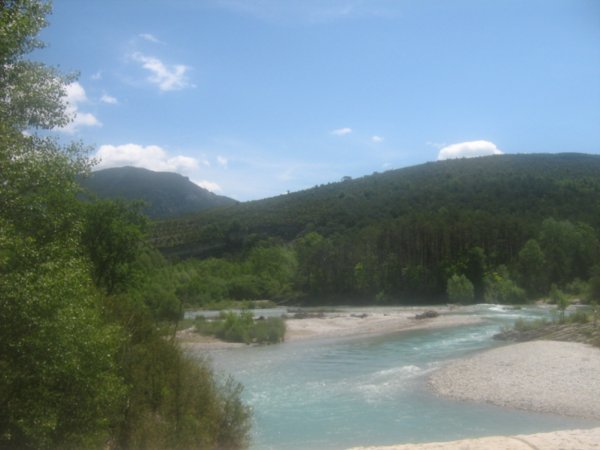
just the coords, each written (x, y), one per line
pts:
(399, 236)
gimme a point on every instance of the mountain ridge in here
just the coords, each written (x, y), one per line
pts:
(167, 194)
(531, 186)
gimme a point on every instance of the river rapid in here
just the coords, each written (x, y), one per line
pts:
(338, 393)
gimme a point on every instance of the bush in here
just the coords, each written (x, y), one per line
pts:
(499, 288)
(579, 316)
(577, 288)
(529, 325)
(271, 330)
(175, 402)
(242, 327)
(559, 298)
(206, 327)
(460, 289)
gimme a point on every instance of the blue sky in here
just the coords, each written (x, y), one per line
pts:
(254, 98)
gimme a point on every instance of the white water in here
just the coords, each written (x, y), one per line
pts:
(335, 394)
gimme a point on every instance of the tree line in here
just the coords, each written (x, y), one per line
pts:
(85, 361)
(509, 227)
(411, 260)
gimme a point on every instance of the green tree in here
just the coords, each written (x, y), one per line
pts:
(113, 235)
(312, 251)
(570, 250)
(73, 360)
(32, 93)
(499, 288)
(560, 299)
(475, 270)
(531, 269)
(60, 386)
(594, 285)
(460, 289)
(276, 266)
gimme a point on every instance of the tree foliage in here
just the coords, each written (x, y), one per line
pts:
(406, 260)
(32, 93)
(531, 269)
(500, 288)
(60, 386)
(460, 289)
(570, 249)
(82, 361)
(113, 235)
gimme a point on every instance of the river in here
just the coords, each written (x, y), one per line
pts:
(338, 393)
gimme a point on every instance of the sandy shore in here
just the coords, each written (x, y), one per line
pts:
(361, 322)
(545, 376)
(347, 323)
(556, 440)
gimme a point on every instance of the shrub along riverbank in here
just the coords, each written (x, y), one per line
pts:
(242, 327)
(580, 326)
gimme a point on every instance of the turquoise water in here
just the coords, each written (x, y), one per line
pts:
(335, 394)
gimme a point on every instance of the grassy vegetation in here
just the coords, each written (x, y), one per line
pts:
(579, 326)
(523, 325)
(242, 327)
(223, 305)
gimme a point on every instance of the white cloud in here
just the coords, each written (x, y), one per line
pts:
(97, 76)
(150, 157)
(438, 145)
(109, 99)
(82, 119)
(150, 38)
(208, 185)
(183, 163)
(341, 131)
(376, 139)
(469, 150)
(222, 161)
(74, 95)
(167, 78)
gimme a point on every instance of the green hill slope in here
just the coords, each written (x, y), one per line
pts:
(500, 229)
(167, 194)
(518, 191)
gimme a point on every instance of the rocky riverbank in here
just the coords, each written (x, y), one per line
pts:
(544, 376)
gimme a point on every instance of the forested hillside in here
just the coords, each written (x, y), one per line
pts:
(401, 235)
(527, 188)
(165, 194)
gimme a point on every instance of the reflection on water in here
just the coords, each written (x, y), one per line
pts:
(336, 394)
